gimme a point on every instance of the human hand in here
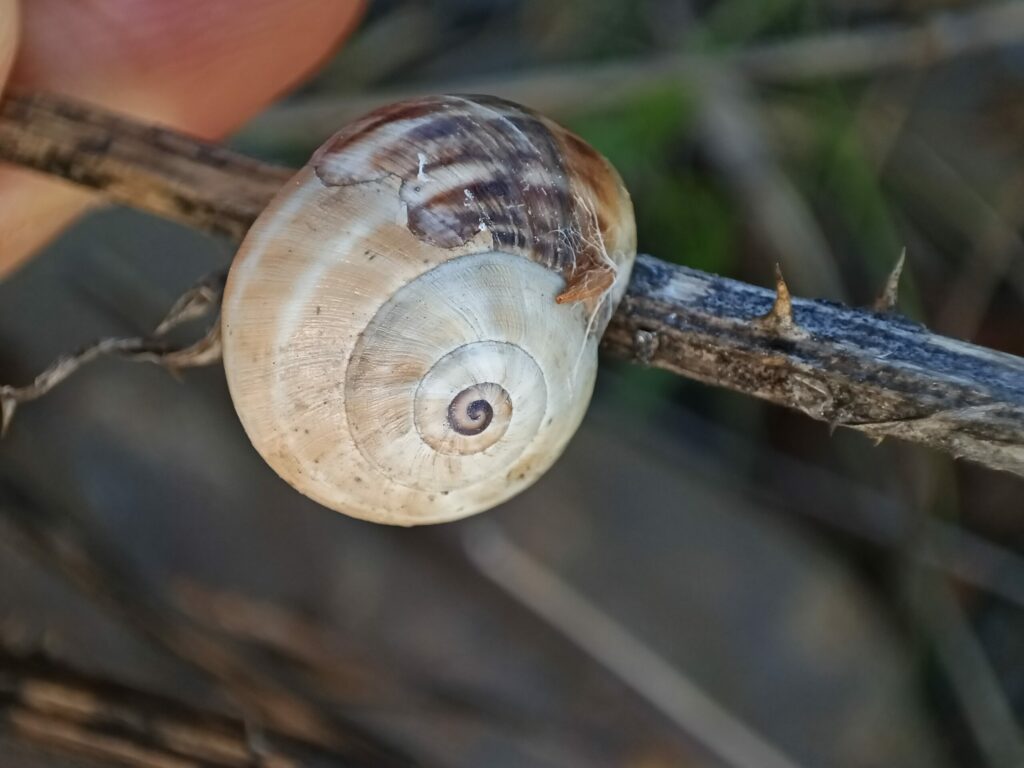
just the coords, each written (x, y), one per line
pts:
(200, 66)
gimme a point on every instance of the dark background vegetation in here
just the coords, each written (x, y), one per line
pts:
(856, 605)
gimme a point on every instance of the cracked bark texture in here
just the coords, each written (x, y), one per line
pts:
(875, 372)
(872, 371)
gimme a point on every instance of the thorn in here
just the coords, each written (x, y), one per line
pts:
(782, 309)
(886, 301)
(780, 316)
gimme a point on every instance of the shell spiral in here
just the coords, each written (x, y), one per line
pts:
(410, 329)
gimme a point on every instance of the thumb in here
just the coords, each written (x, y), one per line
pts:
(202, 66)
(8, 37)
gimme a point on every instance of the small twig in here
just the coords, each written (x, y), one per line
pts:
(876, 373)
(204, 352)
(198, 301)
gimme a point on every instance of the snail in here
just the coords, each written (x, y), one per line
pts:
(410, 328)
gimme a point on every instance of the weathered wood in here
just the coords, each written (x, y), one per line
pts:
(874, 372)
(174, 176)
(877, 373)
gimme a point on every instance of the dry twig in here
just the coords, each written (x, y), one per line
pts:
(877, 373)
(198, 301)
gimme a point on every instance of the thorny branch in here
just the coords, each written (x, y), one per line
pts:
(875, 372)
(869, 370)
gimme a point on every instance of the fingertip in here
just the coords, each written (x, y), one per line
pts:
(205, 66)
(33, 209)
(202, 66)
(9, 26)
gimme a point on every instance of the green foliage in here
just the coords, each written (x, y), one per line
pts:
(635, 135)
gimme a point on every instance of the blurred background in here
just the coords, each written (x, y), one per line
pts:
(702, 580)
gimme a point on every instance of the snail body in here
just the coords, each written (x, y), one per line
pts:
(410, 329)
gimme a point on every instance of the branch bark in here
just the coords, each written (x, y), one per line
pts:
(872, 371)
(197, 183)
(875, 372)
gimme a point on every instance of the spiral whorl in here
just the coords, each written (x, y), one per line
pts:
(472, 410)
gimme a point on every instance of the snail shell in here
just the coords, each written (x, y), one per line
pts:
(411, 327)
